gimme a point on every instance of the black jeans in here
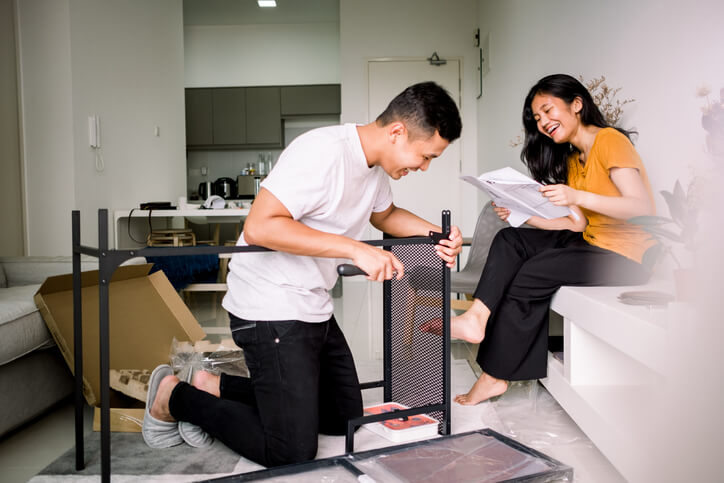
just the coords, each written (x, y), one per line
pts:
(524, 269)
(303, 382)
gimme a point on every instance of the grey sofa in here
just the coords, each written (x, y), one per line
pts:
(33, 374)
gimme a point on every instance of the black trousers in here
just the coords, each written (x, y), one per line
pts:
(303, 382)
(524, 269)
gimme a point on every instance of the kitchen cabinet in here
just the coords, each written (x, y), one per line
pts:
(310, 100)
(263, 120)
(233, 117)
(198, 117)
(229, 115)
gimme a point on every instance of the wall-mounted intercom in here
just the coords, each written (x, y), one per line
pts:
(94, 131)
(94, 139)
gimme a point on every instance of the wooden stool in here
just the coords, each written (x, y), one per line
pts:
(171, 238)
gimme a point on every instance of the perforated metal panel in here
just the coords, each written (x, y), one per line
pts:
(415, 364)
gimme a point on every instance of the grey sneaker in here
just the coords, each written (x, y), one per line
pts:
(192, 434)
(157, 433)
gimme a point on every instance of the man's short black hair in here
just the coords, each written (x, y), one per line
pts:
(424, 108)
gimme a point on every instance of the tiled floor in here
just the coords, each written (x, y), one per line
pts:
(27, 451)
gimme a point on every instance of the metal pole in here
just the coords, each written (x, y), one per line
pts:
(103, 305)
(387, 338)
(446, 329)
(77, 343)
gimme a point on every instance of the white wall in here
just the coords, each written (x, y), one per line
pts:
(47, 124)
(11, 219)
(261, 54)
(124, 62)
(659, 52)
(410, 28)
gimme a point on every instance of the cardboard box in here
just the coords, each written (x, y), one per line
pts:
(146, 314)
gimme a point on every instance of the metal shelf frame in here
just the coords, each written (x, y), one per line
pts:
(110, 259)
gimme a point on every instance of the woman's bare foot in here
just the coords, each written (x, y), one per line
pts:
(208, 382)
(159, 408)
(470, 326)
(484, 388)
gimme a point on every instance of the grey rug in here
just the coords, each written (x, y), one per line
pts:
(131, 457)
(133, 461)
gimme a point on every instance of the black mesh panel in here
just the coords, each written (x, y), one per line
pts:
(416, 365)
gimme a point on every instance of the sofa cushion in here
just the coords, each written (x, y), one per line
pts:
(22, 329)
(34, 270)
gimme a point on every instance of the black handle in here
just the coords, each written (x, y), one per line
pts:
(348, 270)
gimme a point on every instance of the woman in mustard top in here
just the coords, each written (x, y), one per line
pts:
(592, 168)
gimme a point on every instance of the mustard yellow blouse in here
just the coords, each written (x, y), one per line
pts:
(611, 149)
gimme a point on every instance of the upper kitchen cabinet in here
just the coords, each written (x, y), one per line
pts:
(229, 115)
(263, 122)
(199, 130)
(233, 117)
(310, 100)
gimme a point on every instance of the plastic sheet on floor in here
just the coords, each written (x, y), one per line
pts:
(482, 456)
(529, 414)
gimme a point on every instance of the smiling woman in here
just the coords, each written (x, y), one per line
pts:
(593, 169)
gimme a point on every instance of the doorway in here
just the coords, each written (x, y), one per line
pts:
(425, 194)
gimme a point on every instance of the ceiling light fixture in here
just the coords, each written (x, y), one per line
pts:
(266, 3)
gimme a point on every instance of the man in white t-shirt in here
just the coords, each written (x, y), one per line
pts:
(312, 210)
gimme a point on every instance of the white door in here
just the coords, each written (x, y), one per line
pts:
(424, 193)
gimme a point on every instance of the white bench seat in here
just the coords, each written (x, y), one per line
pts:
(616, 359)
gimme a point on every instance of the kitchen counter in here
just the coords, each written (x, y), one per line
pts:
(121, 220)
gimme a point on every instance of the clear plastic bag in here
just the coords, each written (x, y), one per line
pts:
(225, 357)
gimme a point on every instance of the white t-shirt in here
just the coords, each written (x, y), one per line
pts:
(322, 178)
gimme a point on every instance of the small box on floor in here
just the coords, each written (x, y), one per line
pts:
(410, 428)
(146, 314)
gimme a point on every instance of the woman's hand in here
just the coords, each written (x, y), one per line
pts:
(449, 248)
(561, 194)
(503, 213)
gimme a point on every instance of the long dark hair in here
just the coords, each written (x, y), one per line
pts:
(546, 160)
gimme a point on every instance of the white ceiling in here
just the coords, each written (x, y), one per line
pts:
(240, 12)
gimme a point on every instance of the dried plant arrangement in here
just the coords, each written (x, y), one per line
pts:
(604, 97)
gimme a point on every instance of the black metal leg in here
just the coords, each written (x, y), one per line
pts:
(103, 303)
(446, 331)
(349, 438)
(77, 344)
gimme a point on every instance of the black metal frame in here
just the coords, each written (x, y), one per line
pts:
(110, 259)
(558, 471)
(386, 383)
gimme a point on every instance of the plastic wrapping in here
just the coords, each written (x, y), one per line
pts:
(529, 414)
(476, 457)
(482, 456)
(225, 357)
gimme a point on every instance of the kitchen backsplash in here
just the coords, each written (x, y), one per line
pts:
(223, 163)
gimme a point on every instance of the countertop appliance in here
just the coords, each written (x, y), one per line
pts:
(248, 185)
(226, 188)
(205, 190)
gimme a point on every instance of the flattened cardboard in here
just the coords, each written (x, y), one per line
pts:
(123, 420)
(146, 313)
(126, 414)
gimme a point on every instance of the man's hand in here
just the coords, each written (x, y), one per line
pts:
(380, 265)
(448, 249)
